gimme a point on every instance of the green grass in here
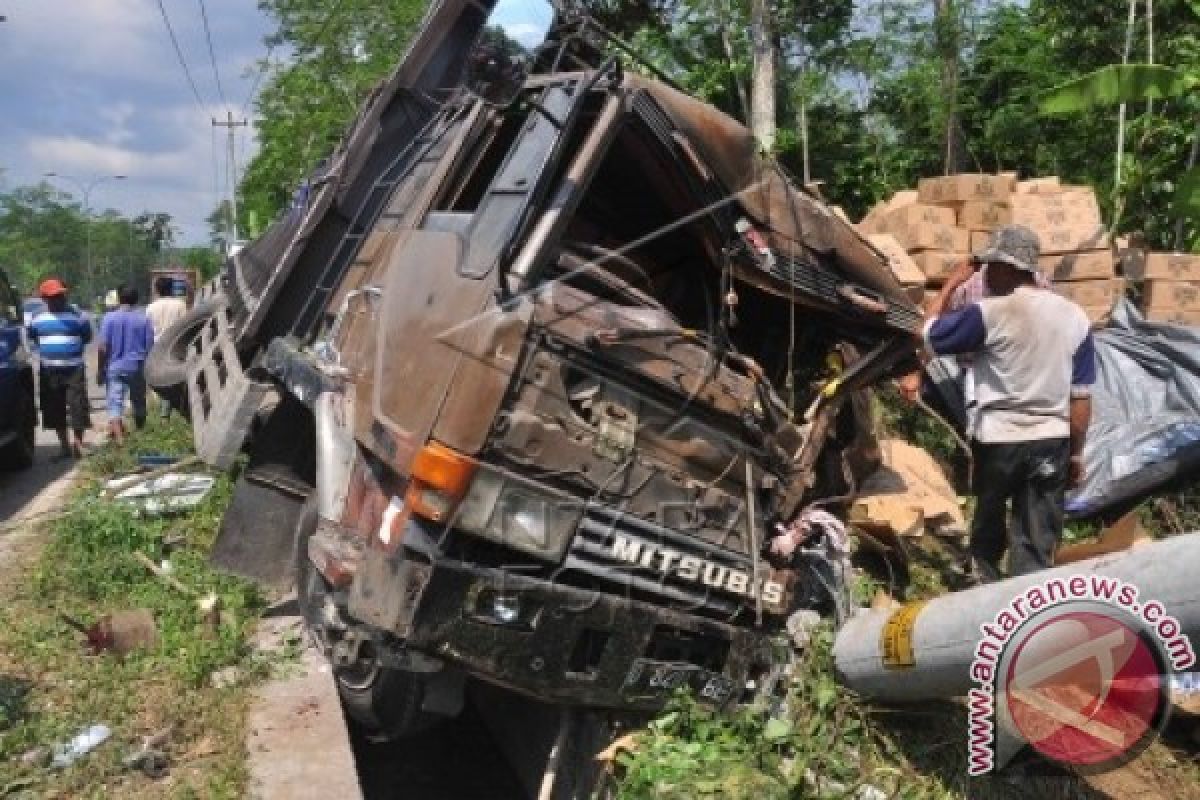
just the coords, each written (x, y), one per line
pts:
(55, 688)
(824, 745)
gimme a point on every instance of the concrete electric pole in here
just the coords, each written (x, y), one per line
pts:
(231, 125)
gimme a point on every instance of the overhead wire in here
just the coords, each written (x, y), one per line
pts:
(212, 55)
(187, 72)
(262, 73)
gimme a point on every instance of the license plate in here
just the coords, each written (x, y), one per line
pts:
(647, 677)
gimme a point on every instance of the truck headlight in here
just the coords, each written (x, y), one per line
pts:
(518, 513)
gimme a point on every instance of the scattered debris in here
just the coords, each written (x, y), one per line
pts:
(1185, 692)
(908, 495)
(804, 529)
(624, 744)
(225, 678)
(37, 757)
(800, 627)
(170, 493)
(121, 632)
(122, 482)
(12, 787)
(150, 758)
(85, 742)
(162, 575)
(1124, 534)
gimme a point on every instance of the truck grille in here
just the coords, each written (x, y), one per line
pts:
(593, 561)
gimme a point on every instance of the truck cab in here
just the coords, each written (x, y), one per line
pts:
(550, 357)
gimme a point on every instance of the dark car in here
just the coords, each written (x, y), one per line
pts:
(18, 414)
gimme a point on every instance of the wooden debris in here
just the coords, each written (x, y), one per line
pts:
(907, 495)
(162, 574)
(1125, 533)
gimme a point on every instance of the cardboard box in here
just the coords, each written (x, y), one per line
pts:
(1162, 294)
(1092, 294)
(900, 199)
(1174, 316)
(1173, 266)
(1070, 239)
(980, 240)
(965, 188)
(1090, 265)
(1046, 185)
(903, 267)
(925, 236)
(1097, 316)
(937, 264)
(1036, 211)
(916, 214)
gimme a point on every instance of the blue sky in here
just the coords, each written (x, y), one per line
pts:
(93, 87)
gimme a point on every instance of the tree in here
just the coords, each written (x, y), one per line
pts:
(340, 52)
(44, 232)
(1135, 83)
(762, 86)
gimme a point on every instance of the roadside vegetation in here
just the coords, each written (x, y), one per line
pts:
(51, 687)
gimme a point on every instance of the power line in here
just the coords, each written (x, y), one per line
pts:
(262, 72)
(179, 54)
(212, 56)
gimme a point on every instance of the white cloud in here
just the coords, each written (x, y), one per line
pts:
(113, 37)
(93, 87)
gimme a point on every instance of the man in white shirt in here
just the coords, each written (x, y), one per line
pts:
(163, 312)
(1034, 365)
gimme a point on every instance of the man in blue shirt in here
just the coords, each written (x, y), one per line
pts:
(126, 337)
(1034, 366)
(60, 334)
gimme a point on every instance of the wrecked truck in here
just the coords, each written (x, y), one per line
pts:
(529, 377)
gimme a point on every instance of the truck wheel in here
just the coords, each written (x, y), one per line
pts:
(18, 454)
(385, 703)
(166, 365)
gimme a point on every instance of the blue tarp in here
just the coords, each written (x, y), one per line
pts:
(1145, 429)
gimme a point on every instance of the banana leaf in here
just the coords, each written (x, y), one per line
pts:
(1117, 84)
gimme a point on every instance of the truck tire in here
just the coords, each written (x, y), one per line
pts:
(166, 365)
(18, 454)
(385, 703)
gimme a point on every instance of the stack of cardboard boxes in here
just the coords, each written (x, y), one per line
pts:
(946, 219)
(1171, 291)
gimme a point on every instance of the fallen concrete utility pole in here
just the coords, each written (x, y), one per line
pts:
(924, 651)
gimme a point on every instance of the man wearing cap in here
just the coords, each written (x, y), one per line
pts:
(1033, 365)
(60, 334)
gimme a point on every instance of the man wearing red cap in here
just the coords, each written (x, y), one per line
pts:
(61, 335)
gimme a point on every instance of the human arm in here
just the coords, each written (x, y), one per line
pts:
(960, 275)
(1083, 377)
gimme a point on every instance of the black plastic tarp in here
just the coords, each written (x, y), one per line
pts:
(1145, 430)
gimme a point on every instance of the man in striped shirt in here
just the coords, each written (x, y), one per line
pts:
(60, 335)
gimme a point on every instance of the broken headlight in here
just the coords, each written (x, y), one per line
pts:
(519, 514)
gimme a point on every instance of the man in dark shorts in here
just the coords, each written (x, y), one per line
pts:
(61, 334)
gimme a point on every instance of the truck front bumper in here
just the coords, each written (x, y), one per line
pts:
(566, 645)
